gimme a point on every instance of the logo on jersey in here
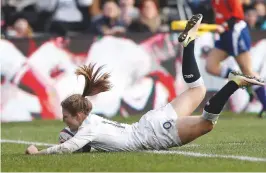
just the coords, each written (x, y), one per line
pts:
(167, 125)
(189, 76)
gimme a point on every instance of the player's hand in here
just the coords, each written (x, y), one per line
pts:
(31, 150)
(220, 29)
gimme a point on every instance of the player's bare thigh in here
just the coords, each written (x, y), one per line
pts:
(188, 101)
(213, 61)
(190, 128)
(245, 63)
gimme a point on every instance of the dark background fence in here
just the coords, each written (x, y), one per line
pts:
(81, 43)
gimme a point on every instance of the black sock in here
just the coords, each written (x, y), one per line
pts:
(190, 68)
(217, 102)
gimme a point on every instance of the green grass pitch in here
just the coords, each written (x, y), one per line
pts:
(234, 136)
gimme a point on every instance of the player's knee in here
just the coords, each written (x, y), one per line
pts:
(202, 91)
(208, 128)
(199, 90)
(246, 70)
(210, 68)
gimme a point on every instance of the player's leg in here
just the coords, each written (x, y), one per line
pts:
(190, 128)
(244, 61)
(213, 63)
(189, 100)
(243, 58)
(217, 55)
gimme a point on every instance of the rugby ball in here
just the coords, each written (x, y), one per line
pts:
(66, 134)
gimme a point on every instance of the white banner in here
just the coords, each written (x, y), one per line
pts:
(129, 65)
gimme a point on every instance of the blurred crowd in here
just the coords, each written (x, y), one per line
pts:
(28, 18)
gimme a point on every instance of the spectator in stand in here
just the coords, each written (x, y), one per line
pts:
(129, 13)
(263, 26)
(95, 8)
(247, 4)
(20, 12)
(73, 15)
(149, 21)
(3, 25)
(261, 11)
(109, 22)
(251, 18)
(204, 7)
(20, 29)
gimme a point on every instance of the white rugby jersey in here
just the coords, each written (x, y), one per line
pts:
(107, 135)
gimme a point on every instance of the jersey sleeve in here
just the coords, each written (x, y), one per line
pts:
(84, 136)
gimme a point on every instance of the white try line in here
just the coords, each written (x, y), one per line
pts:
(185, 153)
(193, 154)
(26, 142)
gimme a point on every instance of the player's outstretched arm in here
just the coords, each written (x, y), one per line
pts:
(83, 137)
(65, 147)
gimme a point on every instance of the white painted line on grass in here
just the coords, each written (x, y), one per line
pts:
(191, 146)
(193, 154)
(26, 142)
(185, 153)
